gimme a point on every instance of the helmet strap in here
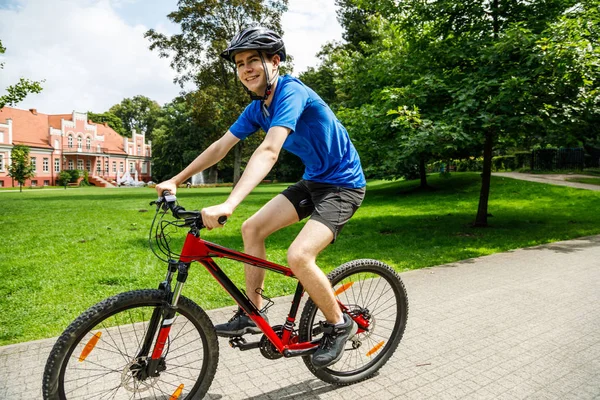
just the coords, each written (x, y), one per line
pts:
(263, 98)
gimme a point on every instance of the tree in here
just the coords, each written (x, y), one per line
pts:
(139, 113)
(111, 119)
(17, 92)
(497, 72)
(206, 28)
(20, 168)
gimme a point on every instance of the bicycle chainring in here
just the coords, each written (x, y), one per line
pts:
(267, 349)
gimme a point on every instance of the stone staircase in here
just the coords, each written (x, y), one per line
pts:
(99, 182)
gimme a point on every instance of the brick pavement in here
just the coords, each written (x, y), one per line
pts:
(523, 324)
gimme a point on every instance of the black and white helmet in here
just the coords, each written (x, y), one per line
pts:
(255, 38)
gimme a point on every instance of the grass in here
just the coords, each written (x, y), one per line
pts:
(64, 250)
(591, 181)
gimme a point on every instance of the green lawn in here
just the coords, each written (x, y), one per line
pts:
(590, 181)
(63, 250)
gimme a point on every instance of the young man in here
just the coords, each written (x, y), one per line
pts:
(295, 118)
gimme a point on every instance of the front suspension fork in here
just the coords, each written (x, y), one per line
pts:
(163, 316)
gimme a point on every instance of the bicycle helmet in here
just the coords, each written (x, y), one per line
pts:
(263, 40)
(255, 38)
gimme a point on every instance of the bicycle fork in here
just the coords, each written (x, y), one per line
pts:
(161, 321)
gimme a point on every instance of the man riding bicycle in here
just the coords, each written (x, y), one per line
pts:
(332, 188)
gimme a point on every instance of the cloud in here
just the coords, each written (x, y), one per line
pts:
(89, 57)
(91, 54)
(307, 26)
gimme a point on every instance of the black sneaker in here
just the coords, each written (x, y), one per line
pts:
(331, 347)
(238, 325)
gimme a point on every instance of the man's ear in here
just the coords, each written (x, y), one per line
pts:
(276, 60)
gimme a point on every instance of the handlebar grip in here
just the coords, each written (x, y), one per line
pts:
(222, 220)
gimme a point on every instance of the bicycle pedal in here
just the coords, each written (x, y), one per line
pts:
(239, 342)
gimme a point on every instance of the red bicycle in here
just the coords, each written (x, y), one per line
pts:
(158, 344)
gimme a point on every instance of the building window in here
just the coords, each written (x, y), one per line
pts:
(46, 164)
(106, 166)
(88, 143)
(1, 162)
(79, 142)
(34, 163)
(70, 164)
(70, 141)
(144, 168)
(88, 165)
(114, 166)
(130, 167)
(46, 183)
(98, 166)
(80, 165)
(33, 183)
(57, 165)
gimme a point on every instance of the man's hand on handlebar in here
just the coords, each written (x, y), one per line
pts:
(169, 185)
(210, 215)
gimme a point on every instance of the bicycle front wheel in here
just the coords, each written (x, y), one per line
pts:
(374, 295)
(97, 357)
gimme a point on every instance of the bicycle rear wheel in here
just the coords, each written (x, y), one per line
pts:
(374, 295)
(96, 356)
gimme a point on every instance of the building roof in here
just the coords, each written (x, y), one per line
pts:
(31, 127)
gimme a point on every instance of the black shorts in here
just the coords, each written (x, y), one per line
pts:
(329, 204)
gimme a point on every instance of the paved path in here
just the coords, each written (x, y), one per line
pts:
(553, 179)
(515, 325)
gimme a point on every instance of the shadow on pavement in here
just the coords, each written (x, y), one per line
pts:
(307, 390)
(571, 246)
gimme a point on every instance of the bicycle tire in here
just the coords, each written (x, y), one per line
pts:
(378, 285)
(107, 368)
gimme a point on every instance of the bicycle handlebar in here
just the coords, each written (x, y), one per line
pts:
(179, 212)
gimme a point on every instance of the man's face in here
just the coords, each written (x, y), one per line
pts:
(251, 72)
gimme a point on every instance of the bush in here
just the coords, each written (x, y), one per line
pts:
(523, 159)
(63, 178)
(471, 164)
(74, 175)
(504, 163)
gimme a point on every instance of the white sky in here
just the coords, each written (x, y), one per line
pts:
(92, 53)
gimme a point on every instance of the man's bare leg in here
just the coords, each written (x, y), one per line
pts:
(302, 256)
(276, 214)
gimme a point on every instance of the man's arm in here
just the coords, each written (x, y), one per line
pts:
(259, 165)
(209, 157)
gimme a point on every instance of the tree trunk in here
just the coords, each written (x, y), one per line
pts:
(423, 173)
(486, 177)
(237, 162)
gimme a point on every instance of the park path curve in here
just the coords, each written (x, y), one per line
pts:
(553, 179)
(523, 324)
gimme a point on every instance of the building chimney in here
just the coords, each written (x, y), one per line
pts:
(33, 111)
(106, 124)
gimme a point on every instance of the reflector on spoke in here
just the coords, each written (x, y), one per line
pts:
(89, 346)
(374, 349)
(177, 393)
(343, 288)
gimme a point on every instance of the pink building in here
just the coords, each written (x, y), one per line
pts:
(71, 141)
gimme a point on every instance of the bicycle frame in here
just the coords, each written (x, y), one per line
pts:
(197, 249)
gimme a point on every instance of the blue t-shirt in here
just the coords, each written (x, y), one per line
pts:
(316, 136)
